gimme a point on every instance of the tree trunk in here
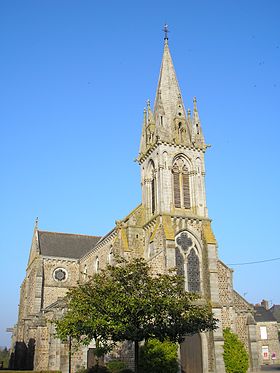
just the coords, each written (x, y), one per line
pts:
(136, 356)
(69, 354)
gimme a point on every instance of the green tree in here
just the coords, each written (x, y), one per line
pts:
(235, 355)
(158, 357)
(126, 302)
(4, 357)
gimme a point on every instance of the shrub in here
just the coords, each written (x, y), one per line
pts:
(81, 369)
(158, 357)
(235, 355)
(116, 366)
(98, 369)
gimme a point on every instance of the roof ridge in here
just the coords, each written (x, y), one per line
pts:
(70, 234)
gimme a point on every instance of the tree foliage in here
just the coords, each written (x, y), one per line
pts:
(4, 357)
(158, 357)
(235, 355)
(126, 302)
(116, 366)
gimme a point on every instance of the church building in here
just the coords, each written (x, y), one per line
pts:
(169, 228)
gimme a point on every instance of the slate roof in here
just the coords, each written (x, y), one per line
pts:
(275, 309)
(263, 315)
(65, 245)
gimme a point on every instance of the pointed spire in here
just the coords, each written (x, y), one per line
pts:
(36, 224)
(167, 94)
(197, 135)
(150, 118)
(142, 149)
(150, 133)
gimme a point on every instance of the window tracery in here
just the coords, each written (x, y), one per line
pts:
(193, 272)
(188, 262)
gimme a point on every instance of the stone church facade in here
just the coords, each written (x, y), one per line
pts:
(170, 228)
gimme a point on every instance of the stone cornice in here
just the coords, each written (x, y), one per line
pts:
(142, 157)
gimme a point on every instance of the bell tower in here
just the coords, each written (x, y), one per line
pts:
(177, 230)
(172, 151)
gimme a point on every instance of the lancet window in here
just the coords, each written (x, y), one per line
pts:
(153, 186)
(85, 272)
(181, 184)
(97, 264)
(110, 257)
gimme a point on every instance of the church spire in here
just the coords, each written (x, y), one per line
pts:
(168, 88)
(168, 121)
(169, 109)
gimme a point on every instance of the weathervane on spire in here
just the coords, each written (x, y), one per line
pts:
(166, 31)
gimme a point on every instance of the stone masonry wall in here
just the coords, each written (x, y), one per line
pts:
(54, 289)
(271, 342)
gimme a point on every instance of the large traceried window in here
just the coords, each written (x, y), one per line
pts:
(181, 184)
(188, 262)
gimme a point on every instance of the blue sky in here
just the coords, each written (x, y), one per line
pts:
(74, 78)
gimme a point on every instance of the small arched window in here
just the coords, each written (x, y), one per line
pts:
(85, 272)
(97, 264)
(181, 184)
(110, 257)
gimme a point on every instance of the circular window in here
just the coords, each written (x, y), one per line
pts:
(60, 274)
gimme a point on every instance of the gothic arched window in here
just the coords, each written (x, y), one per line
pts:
(85, 272)
(193, 272)
(181, 184)
(110, 257)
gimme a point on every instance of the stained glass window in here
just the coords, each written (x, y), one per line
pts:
(193, 272)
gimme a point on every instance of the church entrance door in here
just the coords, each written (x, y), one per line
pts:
(191, 355)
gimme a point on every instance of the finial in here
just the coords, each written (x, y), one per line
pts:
(166, 31)
(145, 115)
(36, 223)
(148, 103)
(194, 103)
(189, 113)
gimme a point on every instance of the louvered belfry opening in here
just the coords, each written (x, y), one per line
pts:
(177, 194)
(181, 184)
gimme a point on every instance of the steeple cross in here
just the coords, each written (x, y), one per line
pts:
(184, 241)
(166, 31)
